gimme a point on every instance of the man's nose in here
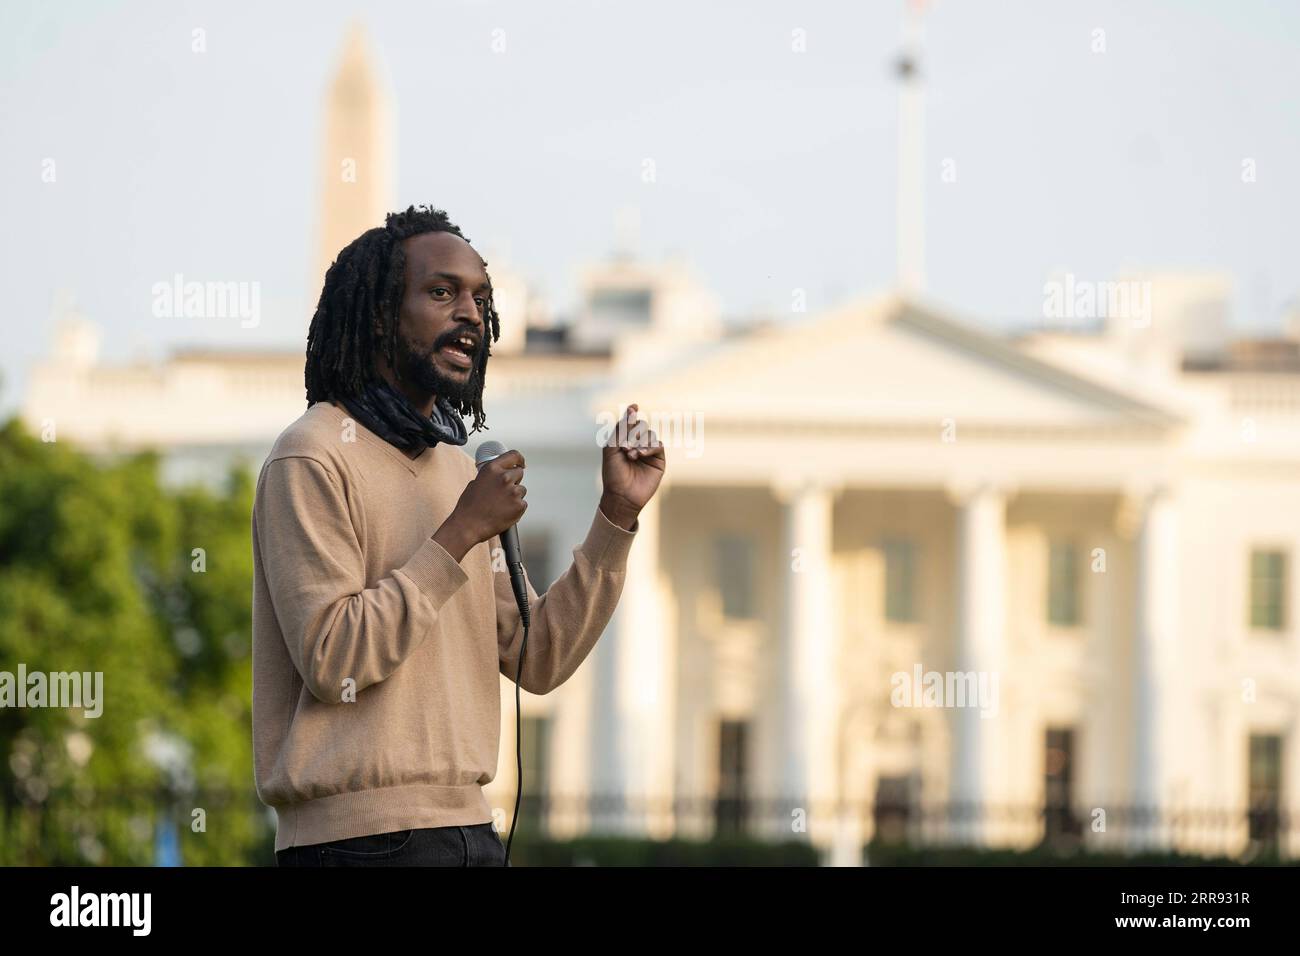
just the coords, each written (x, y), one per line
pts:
(467, 311)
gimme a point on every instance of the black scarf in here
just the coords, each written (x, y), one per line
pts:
(388, 413)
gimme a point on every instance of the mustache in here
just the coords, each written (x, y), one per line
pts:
(421, 356)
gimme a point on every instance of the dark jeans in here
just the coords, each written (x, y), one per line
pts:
(476, 845)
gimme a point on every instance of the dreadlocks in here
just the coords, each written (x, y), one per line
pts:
(365, 284)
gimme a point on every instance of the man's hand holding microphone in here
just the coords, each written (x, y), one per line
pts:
(491, 503)
(632, 465)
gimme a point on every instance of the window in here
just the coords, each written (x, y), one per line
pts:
(1268, 590)
(621, 306)
(534, 741)
(734, 568)
(900, 580)
(536, 548)
(1063, 583)
(892, 809)
(1265, 788)
(732, 810)
(1060, 825)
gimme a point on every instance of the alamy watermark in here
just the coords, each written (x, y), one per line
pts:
(55, 689)
(922, 688)
(179, 299)
(673, 429)
(130, 910)
(1075, 300)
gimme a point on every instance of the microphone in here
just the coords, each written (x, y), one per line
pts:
(515, 565)
(510, 537)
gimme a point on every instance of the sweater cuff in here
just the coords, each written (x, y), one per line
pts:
(607, 545)
(435, 572)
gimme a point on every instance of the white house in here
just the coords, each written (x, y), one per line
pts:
(899, 566)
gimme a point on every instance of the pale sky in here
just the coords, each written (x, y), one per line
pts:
(775, 169)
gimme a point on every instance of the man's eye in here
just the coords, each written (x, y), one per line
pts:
(439, 288)
(482, 303)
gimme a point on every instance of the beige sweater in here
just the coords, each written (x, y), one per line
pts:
(376, 696)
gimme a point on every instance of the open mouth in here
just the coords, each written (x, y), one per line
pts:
(460, 352)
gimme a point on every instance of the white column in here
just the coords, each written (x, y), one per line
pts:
(1155, 629)
(807, 678)
(978, 763)
(635, 694)
(604, 791)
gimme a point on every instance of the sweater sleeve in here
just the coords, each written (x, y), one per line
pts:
(569, 618)
(333, 625)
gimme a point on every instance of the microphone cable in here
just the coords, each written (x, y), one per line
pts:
(509, 538)
(519, 751)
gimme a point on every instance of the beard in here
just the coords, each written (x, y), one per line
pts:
(418, 367)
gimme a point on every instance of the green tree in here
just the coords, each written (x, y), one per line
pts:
(97, 575)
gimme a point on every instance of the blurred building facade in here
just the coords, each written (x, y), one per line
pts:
(1087, 533)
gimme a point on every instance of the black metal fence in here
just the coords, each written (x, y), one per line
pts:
(224, 828)
(1117, 828)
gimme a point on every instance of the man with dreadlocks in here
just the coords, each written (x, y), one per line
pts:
(379, 624)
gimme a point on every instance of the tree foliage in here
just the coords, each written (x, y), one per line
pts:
(99, 573)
